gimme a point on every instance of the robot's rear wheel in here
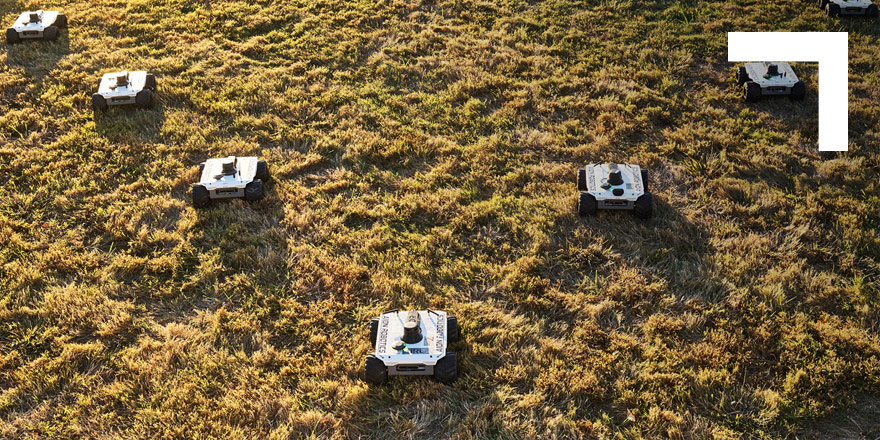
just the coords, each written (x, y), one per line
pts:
(150, 82)
(374, 330)
(872, 11)
(452, 333)
(582, 180)
(375, 371)
(742, 76)
(61, 21)
(262, 170)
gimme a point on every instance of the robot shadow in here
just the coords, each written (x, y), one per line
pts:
(669, 246)
(858, 24)
(800, 115)
(124, 123)
(244, 231)
(39, 57)
(247, 238)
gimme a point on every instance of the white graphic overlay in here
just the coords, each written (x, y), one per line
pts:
(829, 49)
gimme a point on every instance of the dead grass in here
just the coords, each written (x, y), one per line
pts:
(423, 155)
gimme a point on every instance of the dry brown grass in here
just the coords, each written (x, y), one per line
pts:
(424, 155)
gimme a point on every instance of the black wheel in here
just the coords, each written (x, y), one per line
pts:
(582, 180)
(150, 82)
(751, 92)
(798, 91)
(823, 3)
(253, 191)
(61, 21)
(12, 36)
(98, 102)
(645, 181)
(200, 196)
(262, 170)
(452, 334)
(644, 206)
(832, 10)
(742, 76)
(375, 371)
(201, 169)
(446, 370)
(50, 33)
(872, 11)
(144, 98)
(587, 204)
(374, 331)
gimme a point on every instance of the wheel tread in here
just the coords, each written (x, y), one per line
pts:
(446, 369)
(375, 371)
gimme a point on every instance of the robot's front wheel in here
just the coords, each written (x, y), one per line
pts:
(253, 191)
(586, 204)
(50, 33)
(200, 196)
(98, 102)
(832, 10)
(644, 206)
(12, 36)
(751, 92)
(872, 11)
(144, 99)
(375, 371)
(446, 369)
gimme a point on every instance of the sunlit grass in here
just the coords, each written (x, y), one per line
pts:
(424, 155)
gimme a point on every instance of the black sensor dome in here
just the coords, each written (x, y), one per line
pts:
(615, 177)
(412, 331)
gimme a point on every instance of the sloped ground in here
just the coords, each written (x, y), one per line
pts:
(424, 155)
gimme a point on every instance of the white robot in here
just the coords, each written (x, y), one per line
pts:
(412, 343)
(122, 88)
(34, 25)
(836, 8)
(769, 79)
(230, 177)
(613, 186)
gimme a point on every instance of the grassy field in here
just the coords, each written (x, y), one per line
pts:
(424, 154)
